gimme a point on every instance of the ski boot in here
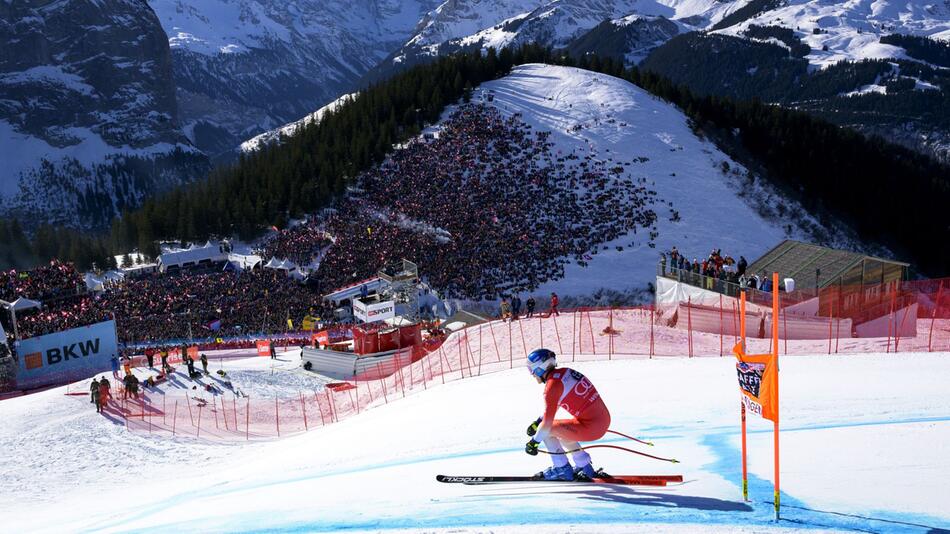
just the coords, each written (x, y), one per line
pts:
(587, 473)
(556, 473)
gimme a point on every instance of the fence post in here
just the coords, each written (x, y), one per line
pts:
(720, 325)
(441, 368)
(540, 331)
(277, 413)
(652, 342)
(247, 419)
(381, 383)
(890, 319)
(511, 350)
(593, 342)
(214, 407)
(494, 341)
(165, 413)
(304, 408)
(610, 333)
(689, 325)
(933, 317)
(837, 323)
(785, 322)
(524, 345)
(330, 405)
(198, 433)
(175, 417)
(573, 335)
(560, 349)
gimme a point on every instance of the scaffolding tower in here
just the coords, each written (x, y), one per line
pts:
(402, 287)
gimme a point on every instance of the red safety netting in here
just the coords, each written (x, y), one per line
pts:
(692, 330)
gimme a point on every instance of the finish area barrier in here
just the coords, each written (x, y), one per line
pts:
(575, 335)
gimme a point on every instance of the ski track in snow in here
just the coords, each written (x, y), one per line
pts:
(861, 420)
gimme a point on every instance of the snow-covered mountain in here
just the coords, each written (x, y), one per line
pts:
(459, 25)
(837, 31)
(246, 66)
(88, 118)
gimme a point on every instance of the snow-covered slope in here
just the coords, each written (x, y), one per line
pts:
(860, 421)
(838, 31)
(591, 113)
(275, 135)
(247, 66)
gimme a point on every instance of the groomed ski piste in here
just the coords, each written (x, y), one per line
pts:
(864, 448)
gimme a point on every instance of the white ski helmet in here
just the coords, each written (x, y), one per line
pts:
(540, 361)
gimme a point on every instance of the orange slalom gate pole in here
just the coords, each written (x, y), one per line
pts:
(775, 307)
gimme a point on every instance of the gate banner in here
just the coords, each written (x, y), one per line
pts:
(757, 382)
(66, 356)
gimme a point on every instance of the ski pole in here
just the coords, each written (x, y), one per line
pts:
(630, 437)
(671, 460)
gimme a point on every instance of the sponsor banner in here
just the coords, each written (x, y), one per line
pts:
(263, 347)
(370, 313)
(758, 381)
(66, 356)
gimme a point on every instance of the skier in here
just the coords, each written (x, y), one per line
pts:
(568, 389)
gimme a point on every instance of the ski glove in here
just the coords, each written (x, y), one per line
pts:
(533, 427)
(531, 447)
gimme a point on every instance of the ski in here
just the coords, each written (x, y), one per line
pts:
(629, 480)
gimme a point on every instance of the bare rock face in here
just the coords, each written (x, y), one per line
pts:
(88, 115)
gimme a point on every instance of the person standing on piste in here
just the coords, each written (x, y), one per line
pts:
(570, 390)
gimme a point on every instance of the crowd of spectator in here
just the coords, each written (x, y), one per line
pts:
(299, 244)
(181, 306)
(489, 208)
(47, 282)
(715, 272)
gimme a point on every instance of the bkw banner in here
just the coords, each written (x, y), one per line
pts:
(66, 356)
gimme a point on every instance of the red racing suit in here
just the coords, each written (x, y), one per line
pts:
(571, 391)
